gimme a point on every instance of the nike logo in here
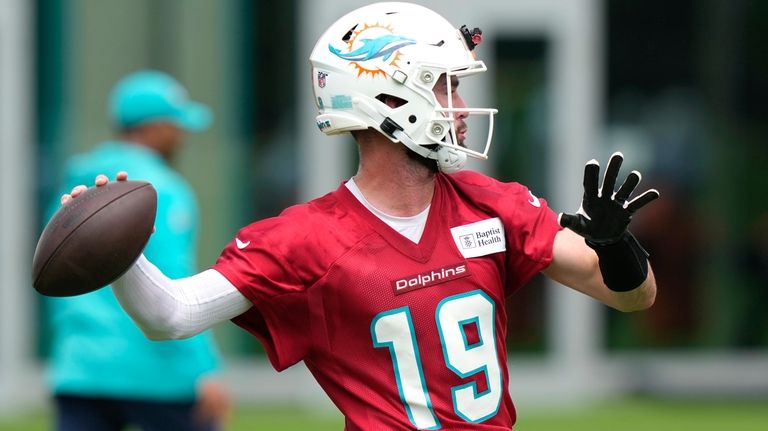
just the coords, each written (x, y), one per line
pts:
(534, 200)
(241, 245)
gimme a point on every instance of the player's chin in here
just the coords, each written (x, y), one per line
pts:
(461, 137)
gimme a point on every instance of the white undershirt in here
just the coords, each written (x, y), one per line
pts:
(172, 309)
(410, 227)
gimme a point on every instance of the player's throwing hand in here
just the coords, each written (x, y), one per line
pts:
(98, 182)
(604, 214)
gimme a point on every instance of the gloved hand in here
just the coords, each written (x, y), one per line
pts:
(604, 215)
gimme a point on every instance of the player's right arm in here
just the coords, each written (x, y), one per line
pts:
(167, 309)
(172, 309)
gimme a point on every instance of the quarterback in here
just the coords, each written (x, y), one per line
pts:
(391, 288)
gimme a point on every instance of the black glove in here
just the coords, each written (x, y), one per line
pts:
(603, 219)
(604, 215)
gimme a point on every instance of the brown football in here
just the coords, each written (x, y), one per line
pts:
(94, 239)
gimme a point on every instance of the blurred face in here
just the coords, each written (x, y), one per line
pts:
(443, 96)
(167, 138)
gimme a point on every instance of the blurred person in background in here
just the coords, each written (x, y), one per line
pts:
(391, 288)
(104, 373)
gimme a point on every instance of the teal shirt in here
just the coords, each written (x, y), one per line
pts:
(96, 349)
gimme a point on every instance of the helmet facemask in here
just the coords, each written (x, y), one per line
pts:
(452, 131)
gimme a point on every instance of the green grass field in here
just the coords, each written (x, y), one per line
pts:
(625, 415)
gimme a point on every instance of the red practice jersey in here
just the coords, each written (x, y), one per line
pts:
(399, 335)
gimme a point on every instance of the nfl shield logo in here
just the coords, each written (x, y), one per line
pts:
(321, 79)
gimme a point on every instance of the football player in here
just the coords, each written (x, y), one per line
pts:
(391, 288)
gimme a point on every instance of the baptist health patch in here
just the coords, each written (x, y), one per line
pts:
(480, 238)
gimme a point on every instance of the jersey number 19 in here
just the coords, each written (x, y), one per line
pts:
(394, 330)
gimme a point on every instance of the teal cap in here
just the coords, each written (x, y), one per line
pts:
(149, 96)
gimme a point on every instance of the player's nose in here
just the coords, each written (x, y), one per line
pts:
(458, 103)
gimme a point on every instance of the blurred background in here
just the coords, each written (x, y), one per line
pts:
(680, 87)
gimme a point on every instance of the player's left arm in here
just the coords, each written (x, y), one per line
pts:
(596, 254)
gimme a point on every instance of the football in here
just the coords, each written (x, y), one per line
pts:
(94, 239)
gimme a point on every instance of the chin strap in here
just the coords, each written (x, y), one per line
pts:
(449, 160)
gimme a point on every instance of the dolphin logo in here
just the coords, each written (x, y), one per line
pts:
(382, 47)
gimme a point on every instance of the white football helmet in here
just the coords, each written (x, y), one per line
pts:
(396, 50)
